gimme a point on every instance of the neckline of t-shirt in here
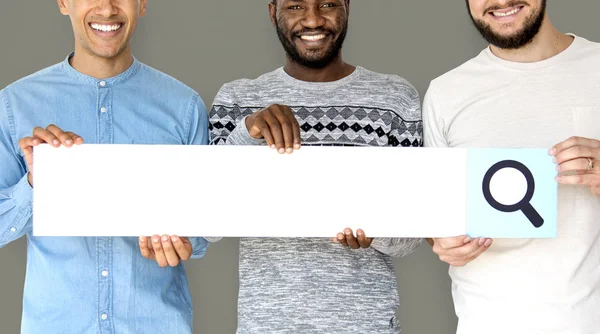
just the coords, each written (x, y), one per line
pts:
(320, 85)
(538, 64)
(122, 77)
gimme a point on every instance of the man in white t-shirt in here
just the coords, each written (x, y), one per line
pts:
(532, 87)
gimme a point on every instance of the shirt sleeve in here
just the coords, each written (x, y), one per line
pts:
(433, 123)
(413, 110)
(227, 124)
(197, 122)
(396, 247)
(16, 195)
(213, 239)
(199, 246)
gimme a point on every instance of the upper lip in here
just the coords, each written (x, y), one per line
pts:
(105, 23)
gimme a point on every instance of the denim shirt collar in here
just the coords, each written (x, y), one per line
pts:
(73, 73)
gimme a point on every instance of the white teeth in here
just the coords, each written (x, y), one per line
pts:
(512, 12)
(312, 38)
(105, 27)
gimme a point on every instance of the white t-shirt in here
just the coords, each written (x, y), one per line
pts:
(540, 286)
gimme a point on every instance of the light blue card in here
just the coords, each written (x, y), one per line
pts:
(529, 211)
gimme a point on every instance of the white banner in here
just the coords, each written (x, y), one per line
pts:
(242, 191)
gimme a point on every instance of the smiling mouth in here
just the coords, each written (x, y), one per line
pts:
(506, 12)
(313, 38)
(106, 27)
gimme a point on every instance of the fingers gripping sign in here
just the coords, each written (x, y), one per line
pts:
(166, 250)
(348, 239)
(578, 162)
(278, 126)
(51, 135)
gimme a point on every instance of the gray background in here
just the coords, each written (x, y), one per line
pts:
(206, 43)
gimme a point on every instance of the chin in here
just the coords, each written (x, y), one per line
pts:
(509, 35)
(313, 56)
(107, 53)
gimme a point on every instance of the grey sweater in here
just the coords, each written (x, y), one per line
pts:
(314, 285)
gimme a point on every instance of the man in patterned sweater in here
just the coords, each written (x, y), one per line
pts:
(316, 285)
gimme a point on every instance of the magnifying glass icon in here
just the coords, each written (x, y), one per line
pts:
(504, 199)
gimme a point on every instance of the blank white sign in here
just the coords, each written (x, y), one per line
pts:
(248, 191)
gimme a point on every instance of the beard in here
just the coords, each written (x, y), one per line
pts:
(531, 28)
(311, 59)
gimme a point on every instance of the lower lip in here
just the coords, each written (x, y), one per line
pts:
(506, 18)
(107, 34)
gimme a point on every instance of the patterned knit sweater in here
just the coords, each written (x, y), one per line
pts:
(314, 285)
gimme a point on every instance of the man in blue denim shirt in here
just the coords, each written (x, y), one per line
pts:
(105, 96)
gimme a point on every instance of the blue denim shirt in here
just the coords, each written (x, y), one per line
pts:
(96, 285)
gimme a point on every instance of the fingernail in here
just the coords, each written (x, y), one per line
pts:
(359, 233)
(297, 146)
(69, 142)
(155, 239)
(555, 160)
(55, 142)
(481, 241)
(466, 240)
(143, 239)
(273, 146)
(165, 238)
(488, 243)
(552, 151)
(340, 237)
(175, 239)
(290, 150)
(558, 168)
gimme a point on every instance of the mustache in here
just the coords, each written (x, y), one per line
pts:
(508, 5)
(314, 31)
